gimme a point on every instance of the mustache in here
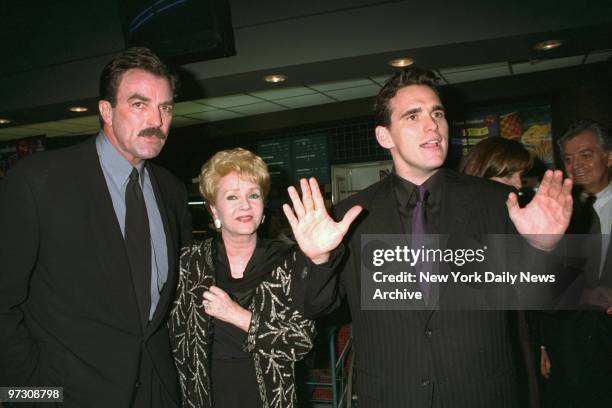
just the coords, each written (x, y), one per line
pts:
(153, 131)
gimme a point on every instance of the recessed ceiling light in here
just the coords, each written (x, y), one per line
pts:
(4, 121)
(275, 78)
(548, 45)
(78, 109)
(401, 62)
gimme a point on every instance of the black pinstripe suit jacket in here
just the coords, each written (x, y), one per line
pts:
(425, 358)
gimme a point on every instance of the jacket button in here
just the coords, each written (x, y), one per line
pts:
(425, 383)
(428, 332)
(137, 384)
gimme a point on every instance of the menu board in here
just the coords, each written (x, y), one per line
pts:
(311, 158)
(277, 155)
(290, 159)
(475, 128)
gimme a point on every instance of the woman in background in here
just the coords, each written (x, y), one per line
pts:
(498, 159)
(234, 328)
(505, 161)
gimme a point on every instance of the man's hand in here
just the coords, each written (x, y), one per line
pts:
(600, 296)
(544, 220)
(315, 231)
(544, 363)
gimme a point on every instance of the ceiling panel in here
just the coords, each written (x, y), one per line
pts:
(185, 108)
(56, 133)
(258, 108)
(543, 65)
(474, 72)
(599, 56)
(238, 105)
(229, 101)
(215, 115)
(305, 100)
(332, 86)
(380, 80)
(57, 126)
(179, 121)
(89, 121)
(275, 94)
(354, 93)
(19, 132)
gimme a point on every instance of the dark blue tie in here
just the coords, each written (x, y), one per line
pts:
(138, 244)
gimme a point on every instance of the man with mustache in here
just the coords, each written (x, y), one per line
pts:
(90, 243)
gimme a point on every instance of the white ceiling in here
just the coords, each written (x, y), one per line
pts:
(285, 98)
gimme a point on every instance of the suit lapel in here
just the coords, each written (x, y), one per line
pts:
(106, 234)
(384, 211)
(453, 220)
(454, 204)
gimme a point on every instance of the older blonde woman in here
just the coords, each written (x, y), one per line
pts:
(235, 330)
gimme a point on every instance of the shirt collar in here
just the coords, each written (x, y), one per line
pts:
(405, 190)
(603, 197)
(605, 193)
(115, 165)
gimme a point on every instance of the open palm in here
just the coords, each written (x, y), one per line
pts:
(544, 220)
(314, 229)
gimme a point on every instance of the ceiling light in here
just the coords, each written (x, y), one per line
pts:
(78, 109)
(548, 45)
(275, 78)
(401, 62)
(4, 121)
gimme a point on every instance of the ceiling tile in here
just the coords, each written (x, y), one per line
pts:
(599, 56)
(89, 121)
(332, 86)
(354, 93)
(305, 100)
(57, 126)
(544, 65)
(258, 108)
(212, 116)
(275, 94)
(475, 72)
(380, 80)
(22, 131)
(55, 133)
(180, 121)
(185, 108)
(229, 101)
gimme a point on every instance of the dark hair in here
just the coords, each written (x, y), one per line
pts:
(399, 80)
(603, 135)
(132, 58)
(497, 157)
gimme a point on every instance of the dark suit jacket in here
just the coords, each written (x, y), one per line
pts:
(579, 341)
(68, 309)
(426, 358)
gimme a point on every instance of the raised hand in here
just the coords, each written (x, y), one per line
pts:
(544, 220)
(315, 231)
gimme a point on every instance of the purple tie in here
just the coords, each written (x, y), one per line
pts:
(418, 213)
(418, 228)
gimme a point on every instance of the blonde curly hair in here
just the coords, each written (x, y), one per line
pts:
(244, 162)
